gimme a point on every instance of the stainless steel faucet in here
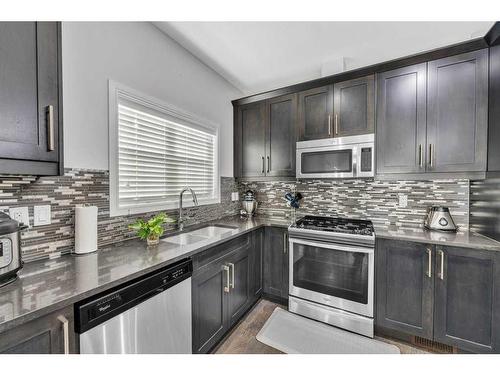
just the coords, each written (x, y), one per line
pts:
(180, 221)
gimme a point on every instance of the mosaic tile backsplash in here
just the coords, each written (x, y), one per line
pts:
(365, 198)
(79, 187)
(361, 198)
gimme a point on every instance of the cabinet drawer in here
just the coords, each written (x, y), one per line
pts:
(216, 252)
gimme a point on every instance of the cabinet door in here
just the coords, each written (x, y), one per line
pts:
(239, 296)
(285, 284)
(457, 115)
(256, 263)
(315, 113)
(353, 105)
(28, 86)
(252, 139)
(401, 120)
(405, 287)
(209, 300)
(274, 253)
(467, 300)
(45, 335)
(281, 136)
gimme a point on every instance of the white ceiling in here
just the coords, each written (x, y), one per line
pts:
(260, 56)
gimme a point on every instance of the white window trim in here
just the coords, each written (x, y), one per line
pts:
(117, 90)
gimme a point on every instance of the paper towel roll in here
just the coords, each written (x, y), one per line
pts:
(85, 229)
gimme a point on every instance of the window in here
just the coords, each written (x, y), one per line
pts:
(155, 151)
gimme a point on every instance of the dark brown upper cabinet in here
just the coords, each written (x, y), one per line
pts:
(433, 117)
(265, 138)
(250, 142)
(315, 113)
(29, 98)
(457, 113)
(401, 120)
(354, 107)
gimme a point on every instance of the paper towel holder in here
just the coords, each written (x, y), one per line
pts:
(85, 229)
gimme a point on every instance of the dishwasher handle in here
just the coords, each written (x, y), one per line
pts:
(98, 309)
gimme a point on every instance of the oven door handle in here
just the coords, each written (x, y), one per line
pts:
(351, 249)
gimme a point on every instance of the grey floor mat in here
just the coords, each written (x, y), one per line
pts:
(294, 334)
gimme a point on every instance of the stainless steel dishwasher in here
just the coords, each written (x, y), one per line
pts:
(148, 315)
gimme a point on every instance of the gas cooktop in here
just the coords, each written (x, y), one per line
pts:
(335, 224)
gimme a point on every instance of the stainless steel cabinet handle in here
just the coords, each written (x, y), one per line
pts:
(232, 275)
(329, 124)
(65, 325)
(268, 164)
(263, 162)
(50, 127)
(226, 270)
(431, 155)
(441, 266)
(336, 124)
(285, 243)
(420, 156)
(429, 262)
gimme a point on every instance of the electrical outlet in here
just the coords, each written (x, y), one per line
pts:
(20, 214)
(41, 215)
(403, 200)
(235, 196)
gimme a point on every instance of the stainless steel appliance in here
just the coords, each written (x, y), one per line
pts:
(343, 157)
(439, 218)
(332, 271)
(249, 203)
(10, 249)
(151, 315)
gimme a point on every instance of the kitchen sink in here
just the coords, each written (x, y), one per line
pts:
(202, 234)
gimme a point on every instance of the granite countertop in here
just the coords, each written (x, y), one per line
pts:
(467, 239)
(46, 286)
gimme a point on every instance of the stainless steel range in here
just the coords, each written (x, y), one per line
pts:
(332, 271)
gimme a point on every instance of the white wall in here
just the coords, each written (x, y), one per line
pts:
(140, 56)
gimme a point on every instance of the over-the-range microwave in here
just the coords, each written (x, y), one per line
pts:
(343, 157)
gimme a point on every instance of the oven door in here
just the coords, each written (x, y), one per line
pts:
(327, 162)
(340, 276)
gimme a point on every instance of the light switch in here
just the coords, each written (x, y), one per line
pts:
(235, 196)
(41, 215)
(20, 214)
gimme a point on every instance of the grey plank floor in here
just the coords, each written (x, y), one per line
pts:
(242, 339)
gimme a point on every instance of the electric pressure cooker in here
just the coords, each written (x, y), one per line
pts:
(10, 249)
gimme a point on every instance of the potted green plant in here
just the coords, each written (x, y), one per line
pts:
(152, 229)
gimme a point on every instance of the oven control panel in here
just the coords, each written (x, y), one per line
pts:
(5, 252)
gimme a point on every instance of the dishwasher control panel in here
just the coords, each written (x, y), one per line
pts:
(100, 308)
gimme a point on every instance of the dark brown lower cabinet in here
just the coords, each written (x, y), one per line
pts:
(276, 268)
(51, 334)
(224, 289)
(405, 287)
(446, 294)
(467, 299)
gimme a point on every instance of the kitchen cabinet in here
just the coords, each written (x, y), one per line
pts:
(265, 138)
(432, 117)
(209, 301)
(276, 263)
(223, 289)
(467, 299)
(315, 113)
(457, 113)
(29, 98)
(251, 143)
(50, 334)
(405, 287)
(256, 255)
(281, 136)
(354, 107)
(445, 294)
(401, 120)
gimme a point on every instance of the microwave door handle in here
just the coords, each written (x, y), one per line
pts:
(355, 162)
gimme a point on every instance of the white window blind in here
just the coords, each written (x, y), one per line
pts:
(158, 155)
